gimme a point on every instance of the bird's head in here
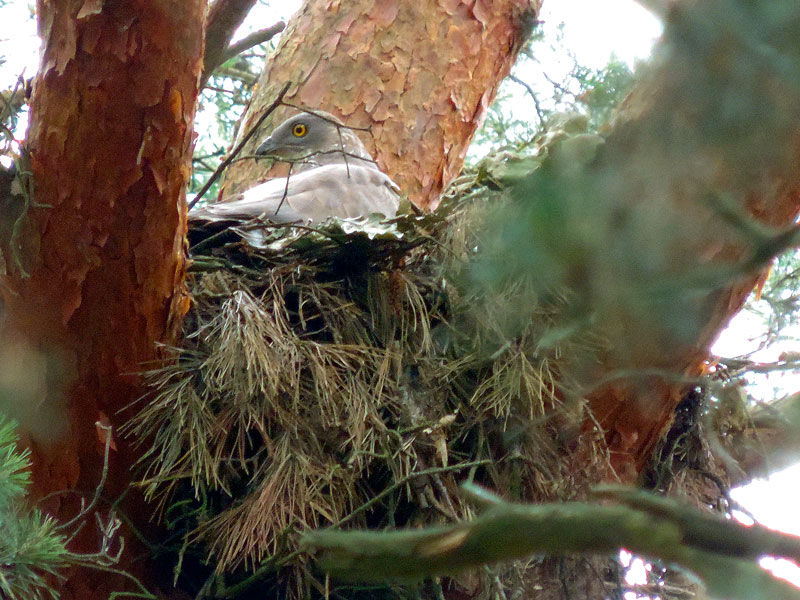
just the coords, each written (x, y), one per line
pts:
(305, 134)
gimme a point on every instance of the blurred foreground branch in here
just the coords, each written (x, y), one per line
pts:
(722, 553)
(770, 439)
(661, 235)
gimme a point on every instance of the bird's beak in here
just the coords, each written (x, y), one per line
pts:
(266, 147)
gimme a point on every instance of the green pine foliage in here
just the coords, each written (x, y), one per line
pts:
(779, 302)
(601, 90)
(31, 549)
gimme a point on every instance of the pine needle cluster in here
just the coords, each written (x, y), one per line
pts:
(32, 550)
(354, 375)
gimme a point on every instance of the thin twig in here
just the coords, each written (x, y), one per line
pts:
(107, 429)
(401, 482)
(305, 157)
(285, 188)
(270, 109)
(532, 94)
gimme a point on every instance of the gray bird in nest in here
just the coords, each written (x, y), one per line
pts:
(333, 175)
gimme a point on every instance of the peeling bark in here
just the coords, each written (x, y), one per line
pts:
(100, 269)
(420, 75)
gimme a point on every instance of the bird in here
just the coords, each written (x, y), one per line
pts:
(332, 175)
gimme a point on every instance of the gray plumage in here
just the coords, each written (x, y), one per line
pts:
(313, 195)
(327, 141)
(332, 175)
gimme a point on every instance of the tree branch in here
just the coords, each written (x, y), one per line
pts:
(224, 18)
(532, 94)
(257, 37)
(642, 523)
(768, 441)
(254, 39)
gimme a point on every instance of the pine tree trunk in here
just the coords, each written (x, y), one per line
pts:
(671, 152)
(96, 278)
(420, 75)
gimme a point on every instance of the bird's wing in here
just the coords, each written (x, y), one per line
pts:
(338, 190)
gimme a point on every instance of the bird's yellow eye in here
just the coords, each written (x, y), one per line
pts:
(299, 130)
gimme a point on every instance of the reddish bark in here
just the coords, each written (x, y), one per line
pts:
(99, 278)
(669, 153)
(420, 75)
(635, 415)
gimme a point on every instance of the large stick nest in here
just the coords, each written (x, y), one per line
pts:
(352, 375)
